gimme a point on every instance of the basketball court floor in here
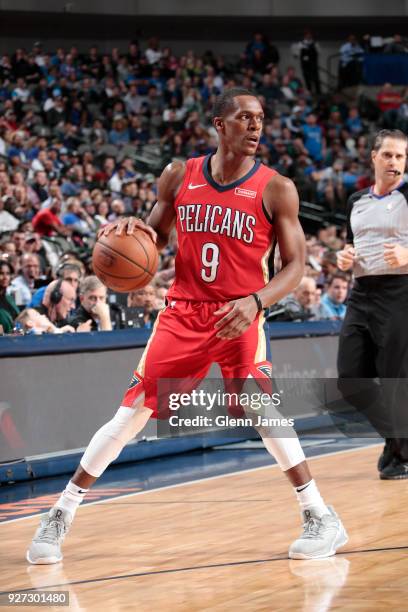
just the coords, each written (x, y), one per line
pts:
(210, 531)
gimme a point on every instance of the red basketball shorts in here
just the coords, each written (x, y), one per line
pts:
(183, 345)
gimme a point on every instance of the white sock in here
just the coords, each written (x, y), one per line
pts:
(308, 496)
(71, 497)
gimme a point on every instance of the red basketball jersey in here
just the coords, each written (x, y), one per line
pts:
(223, 234)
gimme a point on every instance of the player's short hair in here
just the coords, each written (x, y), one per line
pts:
(224, 103)
(383, 134)
(89, 283)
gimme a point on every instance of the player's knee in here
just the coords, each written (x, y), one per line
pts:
(127, 422)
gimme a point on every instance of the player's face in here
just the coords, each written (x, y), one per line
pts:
(391, 157)
(242, 127)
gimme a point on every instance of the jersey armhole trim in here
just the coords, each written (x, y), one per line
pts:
(187, 175)
(266, 213)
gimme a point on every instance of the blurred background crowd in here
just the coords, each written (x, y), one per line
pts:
(84, 136)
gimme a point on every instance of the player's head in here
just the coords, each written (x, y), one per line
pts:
(91, 293)
(389, 155)
(238, 118)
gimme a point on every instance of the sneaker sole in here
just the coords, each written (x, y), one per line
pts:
(43, 560)
(342, 540)
(399, 477)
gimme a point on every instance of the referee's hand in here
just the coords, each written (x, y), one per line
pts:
(395, 255)
(345, 258)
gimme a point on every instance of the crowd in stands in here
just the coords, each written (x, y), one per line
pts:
(83, 137)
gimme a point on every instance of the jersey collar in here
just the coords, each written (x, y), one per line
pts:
(222, 188)
(380, 197)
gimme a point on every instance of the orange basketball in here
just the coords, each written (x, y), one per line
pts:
(125, 263)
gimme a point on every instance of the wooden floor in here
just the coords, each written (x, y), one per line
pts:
(221, 544)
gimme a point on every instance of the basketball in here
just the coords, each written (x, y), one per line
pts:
(125, 263)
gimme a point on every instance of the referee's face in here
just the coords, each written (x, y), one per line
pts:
(389, 161)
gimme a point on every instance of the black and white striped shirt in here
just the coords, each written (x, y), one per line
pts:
(373, 221)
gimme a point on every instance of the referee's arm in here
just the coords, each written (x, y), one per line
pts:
(345, 257)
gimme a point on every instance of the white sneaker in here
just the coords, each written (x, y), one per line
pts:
(46, 544)
(321, 537)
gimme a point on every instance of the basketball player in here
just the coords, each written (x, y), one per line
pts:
(374, 337)
(228, 210)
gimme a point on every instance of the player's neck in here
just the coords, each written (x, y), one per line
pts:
(381, 188)
(226, 167)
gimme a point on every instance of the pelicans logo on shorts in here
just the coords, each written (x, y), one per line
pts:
(265, 368)
(134, 381)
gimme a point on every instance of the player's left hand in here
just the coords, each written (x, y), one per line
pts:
(395, 255)
(239, 314)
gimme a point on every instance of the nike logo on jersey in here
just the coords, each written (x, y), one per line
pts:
(191, 186)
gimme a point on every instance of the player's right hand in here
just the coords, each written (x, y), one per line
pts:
(345, 258)
(127, 225)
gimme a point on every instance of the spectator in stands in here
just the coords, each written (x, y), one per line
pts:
(58, 301)
(77, 218)
(329, 268)
(93, 313)
(313, 137)
(402, 113)
(397, 45)
(389, 101)
(47, 222)
(301, 305)
(144, 298)
(8, 222)
(329, 184)
(22, 287)
(8, 307)
(354, 123)
(33, 244)
(335, 296)
(307, 50)
(350, 63)
(69, 272)
(32, 322)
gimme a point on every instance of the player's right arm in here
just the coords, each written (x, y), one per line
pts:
(163, 215)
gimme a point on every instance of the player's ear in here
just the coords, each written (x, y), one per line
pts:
(373, 155)
(218, 123)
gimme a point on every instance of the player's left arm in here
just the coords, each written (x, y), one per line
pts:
(282, 202)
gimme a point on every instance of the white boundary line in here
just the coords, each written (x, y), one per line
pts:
(189, 482)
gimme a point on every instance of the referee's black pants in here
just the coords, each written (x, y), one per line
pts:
(373, 356)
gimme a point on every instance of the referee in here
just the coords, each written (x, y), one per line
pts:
(373, 341)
